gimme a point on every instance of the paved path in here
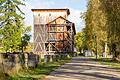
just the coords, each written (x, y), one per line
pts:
(84, 69)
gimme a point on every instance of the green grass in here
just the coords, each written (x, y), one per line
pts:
(38, 73)
(108, 61)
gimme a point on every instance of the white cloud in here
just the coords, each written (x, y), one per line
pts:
(35, 5)
(41, 4)
(75, 0)
(28, 13)
(75, 17)
(28, 16)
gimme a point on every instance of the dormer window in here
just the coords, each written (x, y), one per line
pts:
(49, 14)
(38, 14)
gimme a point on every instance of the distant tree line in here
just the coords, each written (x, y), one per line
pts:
(102, 26)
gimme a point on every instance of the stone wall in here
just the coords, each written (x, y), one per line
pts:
(13, 62)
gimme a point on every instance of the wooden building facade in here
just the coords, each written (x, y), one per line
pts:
(53, 33)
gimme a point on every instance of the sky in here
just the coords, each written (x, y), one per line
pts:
(76, 7)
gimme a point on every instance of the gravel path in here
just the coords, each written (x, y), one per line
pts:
(81, 68)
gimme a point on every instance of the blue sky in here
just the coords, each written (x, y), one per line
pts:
(75, 6)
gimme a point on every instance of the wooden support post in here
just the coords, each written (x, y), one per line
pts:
(51, 58)
(63, 39)
(49, 49)
(44, 41)
(71, 37)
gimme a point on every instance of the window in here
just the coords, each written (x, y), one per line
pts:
(38, 14)
(49, 14)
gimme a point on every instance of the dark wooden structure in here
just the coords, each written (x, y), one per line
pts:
(53, 33)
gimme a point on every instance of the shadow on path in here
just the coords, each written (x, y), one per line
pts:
(81, 68)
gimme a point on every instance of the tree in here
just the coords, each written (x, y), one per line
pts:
(25, 37)
(112, 10)
(79, 41)
(95, 29)
(10, 24)
(103, 20)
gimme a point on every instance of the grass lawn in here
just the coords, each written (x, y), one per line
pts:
(40, 72)
(109, 62)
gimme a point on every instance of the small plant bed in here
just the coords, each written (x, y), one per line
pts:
(40, 72)
(109, 62)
